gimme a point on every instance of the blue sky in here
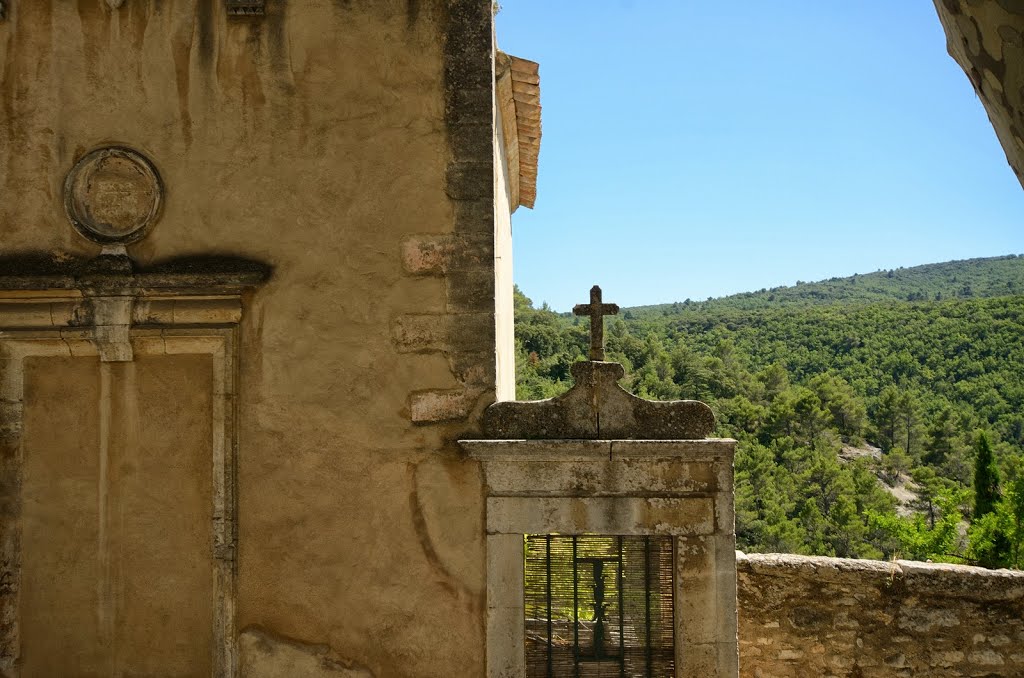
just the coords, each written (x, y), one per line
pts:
(695, 149)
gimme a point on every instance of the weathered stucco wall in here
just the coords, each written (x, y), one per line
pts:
(811, 616)
(152, 554)
(348, 144)
(987, 39)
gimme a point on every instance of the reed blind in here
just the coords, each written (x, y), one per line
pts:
(599, 607)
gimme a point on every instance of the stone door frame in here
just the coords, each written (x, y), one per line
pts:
(682, 488)
(200, 325)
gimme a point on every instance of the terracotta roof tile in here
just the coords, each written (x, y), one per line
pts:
(518, 91)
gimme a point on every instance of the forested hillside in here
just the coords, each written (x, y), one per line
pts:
(841, 404)
(966, 279)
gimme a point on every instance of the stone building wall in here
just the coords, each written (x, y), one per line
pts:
(348, 145)
(811, 616)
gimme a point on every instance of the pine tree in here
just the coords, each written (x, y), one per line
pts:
(986, 478)
(909, 408)
(887, 417)
(941, 435)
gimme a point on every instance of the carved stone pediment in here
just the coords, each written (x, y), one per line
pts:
(596, 407)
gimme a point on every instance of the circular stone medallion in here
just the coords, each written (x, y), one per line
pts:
(113, 195)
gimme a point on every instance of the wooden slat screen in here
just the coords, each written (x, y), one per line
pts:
(599, 607)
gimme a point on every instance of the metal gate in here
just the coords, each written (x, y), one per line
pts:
(599, 607)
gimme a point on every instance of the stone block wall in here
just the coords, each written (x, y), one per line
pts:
(814, 616)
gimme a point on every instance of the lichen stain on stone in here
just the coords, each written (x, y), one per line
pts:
(265, 654)
(278, 49)
(28, 61)
(135, 24)
(95, 35)
(238, 66)
(412, 12)
(584, 479)
(181, 51)
(252, 86)
(7, 104)
(206, 44)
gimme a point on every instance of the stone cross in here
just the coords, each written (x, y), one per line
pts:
(596, 310)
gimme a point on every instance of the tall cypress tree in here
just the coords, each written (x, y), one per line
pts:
(986, 478)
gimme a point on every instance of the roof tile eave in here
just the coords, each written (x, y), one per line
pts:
(525, 75)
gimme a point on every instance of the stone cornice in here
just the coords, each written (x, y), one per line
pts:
(116, 274)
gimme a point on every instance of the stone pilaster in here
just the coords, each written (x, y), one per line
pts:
(463, 258)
